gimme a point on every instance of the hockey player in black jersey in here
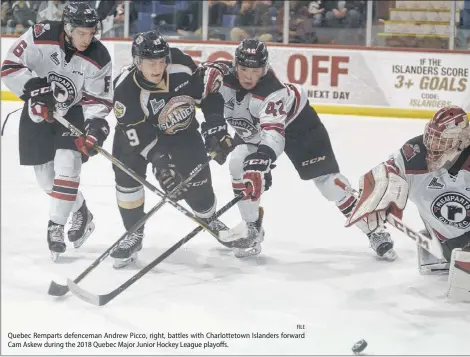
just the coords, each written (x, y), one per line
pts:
(155, 106)
(60, 66)
(274, 117)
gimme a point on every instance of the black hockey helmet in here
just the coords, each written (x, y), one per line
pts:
(252, 53)
(150, 45)
(80, 14)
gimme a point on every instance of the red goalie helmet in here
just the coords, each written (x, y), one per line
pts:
(445, 136)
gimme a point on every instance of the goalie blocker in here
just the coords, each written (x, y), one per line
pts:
(432, 170)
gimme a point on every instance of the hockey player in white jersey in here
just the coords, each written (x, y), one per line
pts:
(273, 117)
(432, 171)
(59, 66)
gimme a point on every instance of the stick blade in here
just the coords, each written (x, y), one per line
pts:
(83, 294)
(57, 289)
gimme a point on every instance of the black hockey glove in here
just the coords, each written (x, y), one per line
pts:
(257, 173)
(96, 132)
(217, 140)
(167, 176)
(41, 102)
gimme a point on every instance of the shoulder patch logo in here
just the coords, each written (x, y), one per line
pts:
(231, 103)
(119, 109)
(39, 29)
(156, 106)
(410, 151)
(55, 58)
(435, 184)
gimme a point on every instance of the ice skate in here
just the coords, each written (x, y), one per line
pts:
(82, 226)
(255, 233)
(382, 244)
(126, 252)
(55, 239)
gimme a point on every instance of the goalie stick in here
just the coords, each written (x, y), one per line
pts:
(100, 300)
(144, 182)
(423, 241)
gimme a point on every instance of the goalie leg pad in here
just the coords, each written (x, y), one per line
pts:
(459, 276)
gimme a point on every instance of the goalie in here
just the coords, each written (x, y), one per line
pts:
(433, 171)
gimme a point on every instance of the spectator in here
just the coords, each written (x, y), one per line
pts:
(246, 22)
(344, 14)
(23, 16)
(51, 10)
(316, 12)
(119, 16)
(7, 11)
(301, 24)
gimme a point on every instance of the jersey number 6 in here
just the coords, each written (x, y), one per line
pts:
(133, 138)
(275, 108)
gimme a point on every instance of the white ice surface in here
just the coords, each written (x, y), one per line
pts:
(312, 271)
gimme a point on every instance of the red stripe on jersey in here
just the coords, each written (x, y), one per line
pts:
(465, 266)
(258, 96)
(11, 62)
(297, 103)
(89, 99)
(348, 203)
(46, 42)
(63, 196)
(278, 127)
(440, 236)
(238, 186)
(88, 59)
(6, 72)
(66, 183)
(416, 172)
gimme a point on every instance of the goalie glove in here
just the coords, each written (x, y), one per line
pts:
(212, 75)
(382, 191)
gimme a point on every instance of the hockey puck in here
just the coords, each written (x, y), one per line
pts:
(359, 346)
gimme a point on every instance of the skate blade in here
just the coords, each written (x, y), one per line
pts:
(120, 263)
(390, 255)
(54, 256)
(250, 252)
(79, 242)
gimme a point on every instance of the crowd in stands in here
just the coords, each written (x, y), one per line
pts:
(310, 21)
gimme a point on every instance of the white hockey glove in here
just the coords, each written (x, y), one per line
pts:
(381, 191)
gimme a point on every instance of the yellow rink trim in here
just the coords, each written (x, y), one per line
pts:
(334, 109)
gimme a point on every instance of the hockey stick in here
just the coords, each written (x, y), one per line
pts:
(142, 181)
(101, 300)
(60, 290)
(6, 119)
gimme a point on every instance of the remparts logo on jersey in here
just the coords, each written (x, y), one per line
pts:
(64, 90)
(243, 127)
(452, 208)
(410, 151)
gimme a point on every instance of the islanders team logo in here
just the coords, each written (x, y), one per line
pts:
(452, 208)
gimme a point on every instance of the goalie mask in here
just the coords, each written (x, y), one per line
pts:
(445, 136)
